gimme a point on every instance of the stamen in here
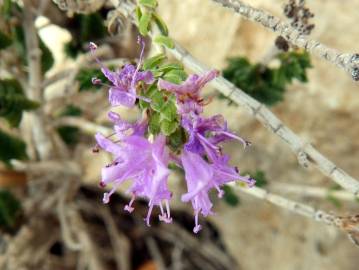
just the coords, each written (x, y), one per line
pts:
(244, 142)
(220, 191)
(128, 207)
(102, 184)
(96, 81)
(147, 219)
(142, 43)
(165, 217)
(96, 149)
(197, 226)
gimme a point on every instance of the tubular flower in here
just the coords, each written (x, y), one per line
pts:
(147, 171)
(206, 133)
(202, 176)
(188, 93)
(123, 90)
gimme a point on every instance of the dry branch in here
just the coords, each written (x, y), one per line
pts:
(347, 61)
(311, 191)
(40, 137)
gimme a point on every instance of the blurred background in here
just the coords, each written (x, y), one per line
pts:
(245, 233)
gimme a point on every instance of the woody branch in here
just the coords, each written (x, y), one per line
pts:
(347, 61)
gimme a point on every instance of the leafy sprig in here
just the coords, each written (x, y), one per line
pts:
(264, 83)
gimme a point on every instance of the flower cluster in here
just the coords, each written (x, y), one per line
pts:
(143, 157)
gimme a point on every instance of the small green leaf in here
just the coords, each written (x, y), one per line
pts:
(168, 67)
(11, 148)
(164, 41)
(176, 76)
(13, 101)
(260, 178)
(168, 127)
(10, 210)
(230, 197)
(148, 3)
(144, 25)
(69, 134)
(153, 61)
(169, 111)
(71, 110)
(177, 139)
(138, 14)
(5, 41)
(47, 59)
(154, 123)
(160, 24)
(157, 101)
(6, 8)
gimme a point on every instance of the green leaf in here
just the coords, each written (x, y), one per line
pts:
(144, 24)
(176, 76)
(154, 123)
(260, 178)
(148, 3)
(168, 127)
(84, 77)
(10, 210)
(230, 197)
(69, 134)
(11, 148)
(5, 41)
(153, 61)
(138, 14)
(6, 8)
(169, 111)
(171, 66)
(266, 84)
(160, 24)
(156, 96)
(164, 41)
(71, 110)
(47, 59)
(177, 139)
(13, 101)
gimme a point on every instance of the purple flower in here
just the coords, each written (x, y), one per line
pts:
(188, 92)
(202, 176)
(124, 128)
(206, 133)
(123, 90)
(143, 163)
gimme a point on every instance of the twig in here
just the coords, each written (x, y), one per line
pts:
(347, 224)
(347, 61)
(209, 251)
(296, 207)
(120, 244)
(310, 191)
(155, 253)
(43, 144)
(84, 125)
(305, 152)
(45, 167)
